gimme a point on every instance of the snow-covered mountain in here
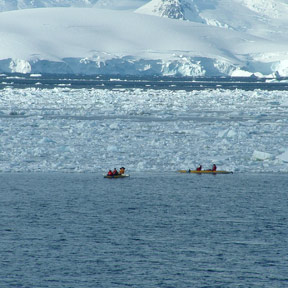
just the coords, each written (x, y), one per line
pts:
(166, 37)
(7, 5)
(120, 4)
(174, 9)
(253, 16)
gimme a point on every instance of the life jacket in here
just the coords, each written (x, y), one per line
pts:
(110, 173)
(115, 172)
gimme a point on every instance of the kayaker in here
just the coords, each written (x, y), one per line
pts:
(199, 168)
(122, 170)
(110, 173)
(214, 167)
(115, 172)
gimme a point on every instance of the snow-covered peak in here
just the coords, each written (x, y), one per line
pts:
(179, 9)
(173, 9)
(239, 15)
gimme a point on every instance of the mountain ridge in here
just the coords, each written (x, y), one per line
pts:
(120, 41)
(28, 4)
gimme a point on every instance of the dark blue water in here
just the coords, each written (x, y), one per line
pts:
(164, 230)
(50, 81)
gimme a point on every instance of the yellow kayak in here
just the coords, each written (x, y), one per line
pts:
(206, 171)
(117, 176)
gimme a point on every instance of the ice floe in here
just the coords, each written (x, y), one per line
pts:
(284, 156)
(90, 130)
(261, 156)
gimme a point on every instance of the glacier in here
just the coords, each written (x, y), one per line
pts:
(175, 37)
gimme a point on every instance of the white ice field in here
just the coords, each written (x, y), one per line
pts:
(85, 130)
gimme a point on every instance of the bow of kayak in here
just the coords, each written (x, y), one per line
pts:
(117, 176)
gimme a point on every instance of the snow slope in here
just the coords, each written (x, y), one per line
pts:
(6, 5)
(117, 41)
(119, 4)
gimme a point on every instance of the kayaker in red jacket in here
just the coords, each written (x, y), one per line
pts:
(214, 167)
(199, 168)
(109, 173)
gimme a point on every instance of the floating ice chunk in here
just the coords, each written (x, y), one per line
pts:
(283, 156)
(46, 140)
(112, 148)
(261, 156)
(141, 166)
(284, 102)
(114, 126)
(222, 133)
(65, 148)
(241, 73)
(224, 142)
(229, 133)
